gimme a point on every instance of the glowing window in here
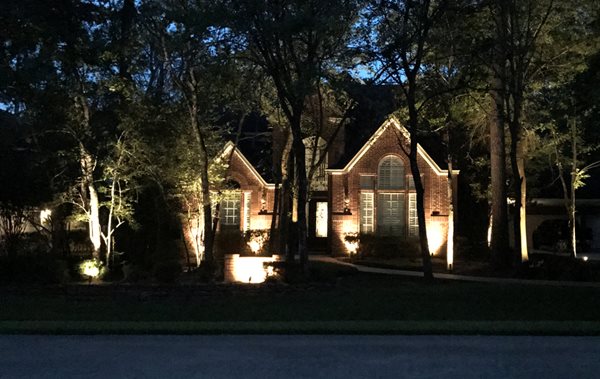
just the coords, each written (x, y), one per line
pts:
(247, 210)
(366, 213)
(391, 173)
(413, 221)
(230, 209)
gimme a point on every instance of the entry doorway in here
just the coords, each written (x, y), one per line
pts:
(318, 212)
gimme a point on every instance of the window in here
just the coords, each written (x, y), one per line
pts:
(366, 213)
(413, 221)
(411, 182)
(390, 214)
(230, 209)
(391, 173)
(247, 197)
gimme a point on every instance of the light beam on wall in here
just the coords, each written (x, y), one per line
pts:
(248, 269)
(435, 237)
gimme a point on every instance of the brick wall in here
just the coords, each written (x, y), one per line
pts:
(348, 184)
(252, 186)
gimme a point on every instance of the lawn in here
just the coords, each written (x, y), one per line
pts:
(355, 303)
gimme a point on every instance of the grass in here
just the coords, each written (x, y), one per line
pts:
(360, 303)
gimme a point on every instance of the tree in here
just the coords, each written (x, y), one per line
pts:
(536, 43)
(198, 76)
(402, 44)
(295, 43)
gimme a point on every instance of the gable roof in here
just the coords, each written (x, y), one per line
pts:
(391, 122)
(227, 150)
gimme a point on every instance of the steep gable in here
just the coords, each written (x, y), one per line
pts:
(390, 125)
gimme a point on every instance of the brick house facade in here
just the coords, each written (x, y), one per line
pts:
(371, 193)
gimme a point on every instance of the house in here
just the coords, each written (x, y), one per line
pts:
(369, 191)
(547, 226)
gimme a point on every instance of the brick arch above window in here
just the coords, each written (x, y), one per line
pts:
(390, 173)
(238, 178)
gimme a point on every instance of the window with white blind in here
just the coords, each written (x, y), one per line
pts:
(230, 209)
(247, 197)
(366, 213)
(391, 216)
(413, 221)
(391, 173)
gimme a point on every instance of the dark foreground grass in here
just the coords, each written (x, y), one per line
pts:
(360, 303)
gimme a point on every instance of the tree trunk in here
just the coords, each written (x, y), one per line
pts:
(209, 232)
(517, 159)
(499, 237)
(450, 239)
(420, 191)
(302, 197)
(93, 206)
(572, 213)
(522, 204)
(274, 227)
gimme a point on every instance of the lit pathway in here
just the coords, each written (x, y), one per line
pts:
(293, 356)
(467, 278)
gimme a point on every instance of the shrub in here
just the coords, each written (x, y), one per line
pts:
(167, 271)
(133, 273)
(471, 250)
(256, 242)
(229, 242)
(388, 247)
(33, 269)
(551, 267)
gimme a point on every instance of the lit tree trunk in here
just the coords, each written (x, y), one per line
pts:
(109, 225)
(572, 210)
(499, 235)
(522, 204)
(420, 191)
(450, 239)
(274, 218)
(93, 206)
(517, 159)
(208, 232)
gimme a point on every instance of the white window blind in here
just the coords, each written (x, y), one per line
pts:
(391, 173)
(413, 221)
(391, 217)
(230, 209)
(366, 213)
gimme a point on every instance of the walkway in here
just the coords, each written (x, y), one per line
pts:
(467, 278)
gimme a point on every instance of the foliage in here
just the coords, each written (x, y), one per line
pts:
(387, 247)
(13, 221)
(34, 268)
(257, 240)
(90, 268)
(167, 271)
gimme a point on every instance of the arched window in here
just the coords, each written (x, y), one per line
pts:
(391, 173)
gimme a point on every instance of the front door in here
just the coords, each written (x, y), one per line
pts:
(317, 224)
